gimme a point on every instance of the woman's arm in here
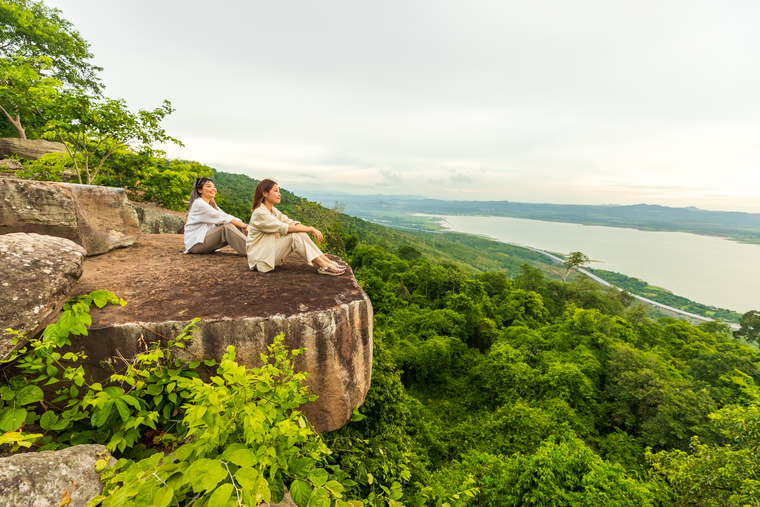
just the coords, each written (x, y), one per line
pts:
(302, 228)
(239, 223)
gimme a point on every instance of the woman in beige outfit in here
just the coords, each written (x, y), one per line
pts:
(272, 236)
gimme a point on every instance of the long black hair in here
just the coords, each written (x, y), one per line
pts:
(196, 193)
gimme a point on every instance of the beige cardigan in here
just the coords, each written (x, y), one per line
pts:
(265, 228)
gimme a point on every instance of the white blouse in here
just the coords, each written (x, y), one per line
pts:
(202, 218)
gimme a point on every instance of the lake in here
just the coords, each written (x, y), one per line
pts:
(705, 269)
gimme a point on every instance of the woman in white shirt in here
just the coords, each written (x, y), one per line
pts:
(208, 228)
(273, 236)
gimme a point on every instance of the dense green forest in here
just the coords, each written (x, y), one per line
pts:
(397, 210)
(489, 374)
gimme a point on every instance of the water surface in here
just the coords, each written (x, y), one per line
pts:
(705, 269)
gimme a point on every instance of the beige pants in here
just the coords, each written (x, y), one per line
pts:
(298, 242)
(219, 236)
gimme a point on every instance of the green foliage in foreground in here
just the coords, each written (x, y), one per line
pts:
(642, 288)
(236, 438)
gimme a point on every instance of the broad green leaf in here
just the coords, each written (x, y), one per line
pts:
(213, 477)
(247, 476)
(29, 394)
(163, 497)
(301, 466)
(335, 488)
(12, 419)
(122, 408)
(319, 498)
(244, 458)
(183, 452)
(300, 491)
(260, 491)
(277, 488)
(318, 477)
(131, 400)
(48, 419)
(100, 415)
(221, 495)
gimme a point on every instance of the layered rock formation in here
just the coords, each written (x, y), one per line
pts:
(28, 149)
(155, 220)
(39, 479)
(165, 290)
(38, 274)
(97, 218)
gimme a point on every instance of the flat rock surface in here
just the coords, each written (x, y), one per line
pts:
(38, 479)
(160, 283)
(38, 273)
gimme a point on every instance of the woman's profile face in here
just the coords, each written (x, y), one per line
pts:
(208, 190)
(273, 196)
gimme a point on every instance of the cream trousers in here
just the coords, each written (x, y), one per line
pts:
(298, 242)
(219, 236)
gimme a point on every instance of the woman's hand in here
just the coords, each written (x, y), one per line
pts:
(317, 235)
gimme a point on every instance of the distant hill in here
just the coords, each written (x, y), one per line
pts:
(738, 226)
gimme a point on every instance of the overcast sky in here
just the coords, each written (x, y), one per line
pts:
(549, 101)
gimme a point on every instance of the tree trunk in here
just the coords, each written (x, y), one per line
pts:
(16, 123)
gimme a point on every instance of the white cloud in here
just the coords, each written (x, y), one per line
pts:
(589, 101)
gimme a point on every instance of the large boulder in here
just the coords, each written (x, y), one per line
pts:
(155, 220)
(38, 274)
(97, 218)
(165, 289)
(10, 166)
(39, 479)
(28, 149)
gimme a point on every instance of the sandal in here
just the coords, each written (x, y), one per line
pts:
(331, 269)
(340, 263)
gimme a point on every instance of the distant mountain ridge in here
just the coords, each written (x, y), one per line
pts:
(736, 225)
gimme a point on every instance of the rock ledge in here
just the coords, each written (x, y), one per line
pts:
(166, 289)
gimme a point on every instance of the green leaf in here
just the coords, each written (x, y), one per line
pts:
(100, 415)
(163, 497)
(73, 392)
(300, 491)
(48, 419)
(244, 458)
(356, 416)
(132, 401)
(319, 498)
(123, 409)
(183, 452)
(12, 420)
(212, 477)
(247, 476)
(300, 467)
(335, 488)
(277, 488)
(221, 495)
(29, 394)
(318, 477)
